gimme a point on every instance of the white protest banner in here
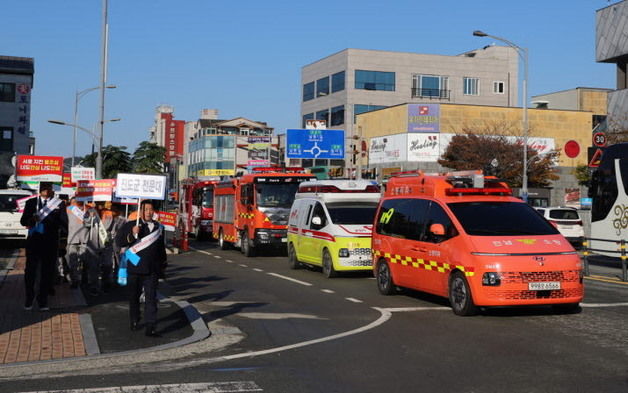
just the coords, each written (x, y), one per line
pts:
(130, 185)
(80, 173)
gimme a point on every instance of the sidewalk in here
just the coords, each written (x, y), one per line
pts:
(76, 326)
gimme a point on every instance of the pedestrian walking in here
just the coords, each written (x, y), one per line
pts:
(95, 245)
(112, 221)
(44, 216)
(77, 236)
(146, 258)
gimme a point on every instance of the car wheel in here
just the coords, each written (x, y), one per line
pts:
(328, 265)
(293, 262)
(221, 241)
(247, 248)
(567, 308)
(384, 279)
(460, 296)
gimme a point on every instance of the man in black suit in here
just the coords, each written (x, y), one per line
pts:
(146, 261)
(44, 215)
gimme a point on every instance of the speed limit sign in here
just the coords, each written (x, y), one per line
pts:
(599, 139)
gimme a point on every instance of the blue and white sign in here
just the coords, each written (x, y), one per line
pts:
(320, 144)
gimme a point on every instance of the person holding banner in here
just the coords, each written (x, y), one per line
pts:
(44, 216)
(146, 261)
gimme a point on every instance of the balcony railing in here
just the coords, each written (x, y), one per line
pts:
(432, 94)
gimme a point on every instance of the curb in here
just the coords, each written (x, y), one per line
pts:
(199, 327)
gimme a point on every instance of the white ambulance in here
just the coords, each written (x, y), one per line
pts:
(330, 225)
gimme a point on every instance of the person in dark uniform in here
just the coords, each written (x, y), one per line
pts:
(146, 261)
(45, 216)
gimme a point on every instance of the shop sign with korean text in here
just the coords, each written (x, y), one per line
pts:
(130, 185)
(39, 168)
(95, 190)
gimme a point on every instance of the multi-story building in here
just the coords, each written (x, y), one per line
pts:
(612, 47)
(587, 99)
(225, 147)
(16, 83)
(353, 81)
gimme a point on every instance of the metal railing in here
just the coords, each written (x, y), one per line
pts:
(433, 94)
(621, 250)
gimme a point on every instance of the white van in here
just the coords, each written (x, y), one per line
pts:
(330, 225)
(10, 227)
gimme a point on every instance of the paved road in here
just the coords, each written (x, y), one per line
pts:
(279, 330)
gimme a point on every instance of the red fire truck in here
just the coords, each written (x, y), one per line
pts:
(252, 210)
(197, 207)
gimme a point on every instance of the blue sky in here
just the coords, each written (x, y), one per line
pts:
(244, 57)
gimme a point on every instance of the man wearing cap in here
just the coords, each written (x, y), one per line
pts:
(44, 216)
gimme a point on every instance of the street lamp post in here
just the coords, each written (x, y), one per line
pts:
(77, 97)
(523, 54)
(103, 82)
(92, 133)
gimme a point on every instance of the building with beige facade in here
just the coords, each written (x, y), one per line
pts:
(414, 136)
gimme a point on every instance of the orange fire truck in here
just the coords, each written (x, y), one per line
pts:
(197, 206)
(252, 211)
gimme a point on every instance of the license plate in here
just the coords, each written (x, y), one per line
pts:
(543, 286)
(284, 240)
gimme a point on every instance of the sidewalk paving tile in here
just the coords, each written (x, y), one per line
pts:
(27, 336)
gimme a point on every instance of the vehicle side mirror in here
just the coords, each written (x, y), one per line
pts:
(437, 229)
(316, 220)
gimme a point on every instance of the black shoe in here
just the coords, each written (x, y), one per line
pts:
(151, 332)
(135, 325)
(28, 305)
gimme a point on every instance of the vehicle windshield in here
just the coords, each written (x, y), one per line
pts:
(8, 202)
(276, 195)
(500, 219)
(208, 197)
(352, 213)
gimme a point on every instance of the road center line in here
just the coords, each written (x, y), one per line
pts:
(408, 309)
(243, 265)
(217, 256)
(354, 300)
(257, 270)
(307, 284)
(229, 261)
(327, 291)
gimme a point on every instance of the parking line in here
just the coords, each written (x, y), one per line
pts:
(354, 300)
(307, 284)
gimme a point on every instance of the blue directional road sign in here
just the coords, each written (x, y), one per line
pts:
(320, 144)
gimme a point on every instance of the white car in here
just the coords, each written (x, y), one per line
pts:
(567, 221)
(10, 227)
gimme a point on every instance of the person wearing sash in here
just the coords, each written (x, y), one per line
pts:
(112, 222)
(44, 216)
(77, 235)
(146, 260)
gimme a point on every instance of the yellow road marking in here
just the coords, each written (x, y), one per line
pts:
(606, 279)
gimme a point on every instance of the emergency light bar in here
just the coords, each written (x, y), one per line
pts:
(455, 191)
(333, 189)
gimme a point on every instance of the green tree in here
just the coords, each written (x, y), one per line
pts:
(583, 174)
(115, 159)
(149, 158)
(475, 151)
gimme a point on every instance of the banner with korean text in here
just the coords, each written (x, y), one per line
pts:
(39, 168)
(95, 190)
(130, 185)
(168, 220)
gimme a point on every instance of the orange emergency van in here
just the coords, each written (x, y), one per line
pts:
(463, 236)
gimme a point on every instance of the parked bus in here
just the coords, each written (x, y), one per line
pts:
(609, 193)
